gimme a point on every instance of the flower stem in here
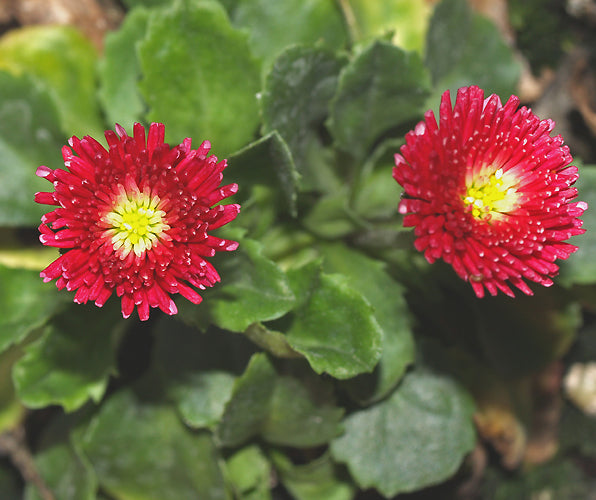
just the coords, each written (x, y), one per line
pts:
(350, 20)
(272, 341)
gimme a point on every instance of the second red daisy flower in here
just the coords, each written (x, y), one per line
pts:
(488, 190)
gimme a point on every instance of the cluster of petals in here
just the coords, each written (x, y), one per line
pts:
(489, 191)
(135, 219)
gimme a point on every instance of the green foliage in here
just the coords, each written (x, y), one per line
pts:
(69, 475)
(405, 21)
(305, 371)
(267, 161)
(26, 111)
(257, 290)
(316, 480)
(26, 303)
(50, 372)
(249, 472)
(422, 432)
(283, 409)
(247, 409)
(197, 371)
(298, 72)
(62, 61)
(302, 412)
(581, 269)
(167, 460)
(390, 311)
(281, 24)
(463, 48)
(120, 70)
(382, 88)
(334, 326)
(63, 465)
(11, 408)
(187, 72)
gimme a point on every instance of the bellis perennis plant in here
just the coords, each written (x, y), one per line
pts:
(488, 190)
(339, 347)
(135, 219)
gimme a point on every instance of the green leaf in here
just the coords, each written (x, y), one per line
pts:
(261, 207)
(140, 450)
(316, 480)
(580, 268)
(295, 102)
(66, 473)
(421, 434)
(250, 473)
(331, 216)
(12, 411)
(268, 162)
(370, 277)
(63, 61)
(382, 88)
(377, 198)
(463, 48)
(405, 20)
(26, 303)
(334, 325)
(65, 470)
(365, 209)
(119, 71)
(289, 245)
(29, 136)
(72, 361)
(253, 289)
(248, 408)
(202, 403)
(302, 413)
(198, 370)
(273, 26)
(200, 78)
(288, 410)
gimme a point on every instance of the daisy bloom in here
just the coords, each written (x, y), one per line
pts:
(135, 219)
(488, 190)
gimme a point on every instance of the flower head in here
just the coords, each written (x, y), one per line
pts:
(135, 219)
(488, 190)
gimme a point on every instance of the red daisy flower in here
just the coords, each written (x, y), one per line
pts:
(135, 218)
(488, 190)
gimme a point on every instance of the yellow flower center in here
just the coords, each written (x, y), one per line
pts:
(136, 223)
(489, 196)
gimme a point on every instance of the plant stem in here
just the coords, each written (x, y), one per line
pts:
(350, 20)
(12, 444)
